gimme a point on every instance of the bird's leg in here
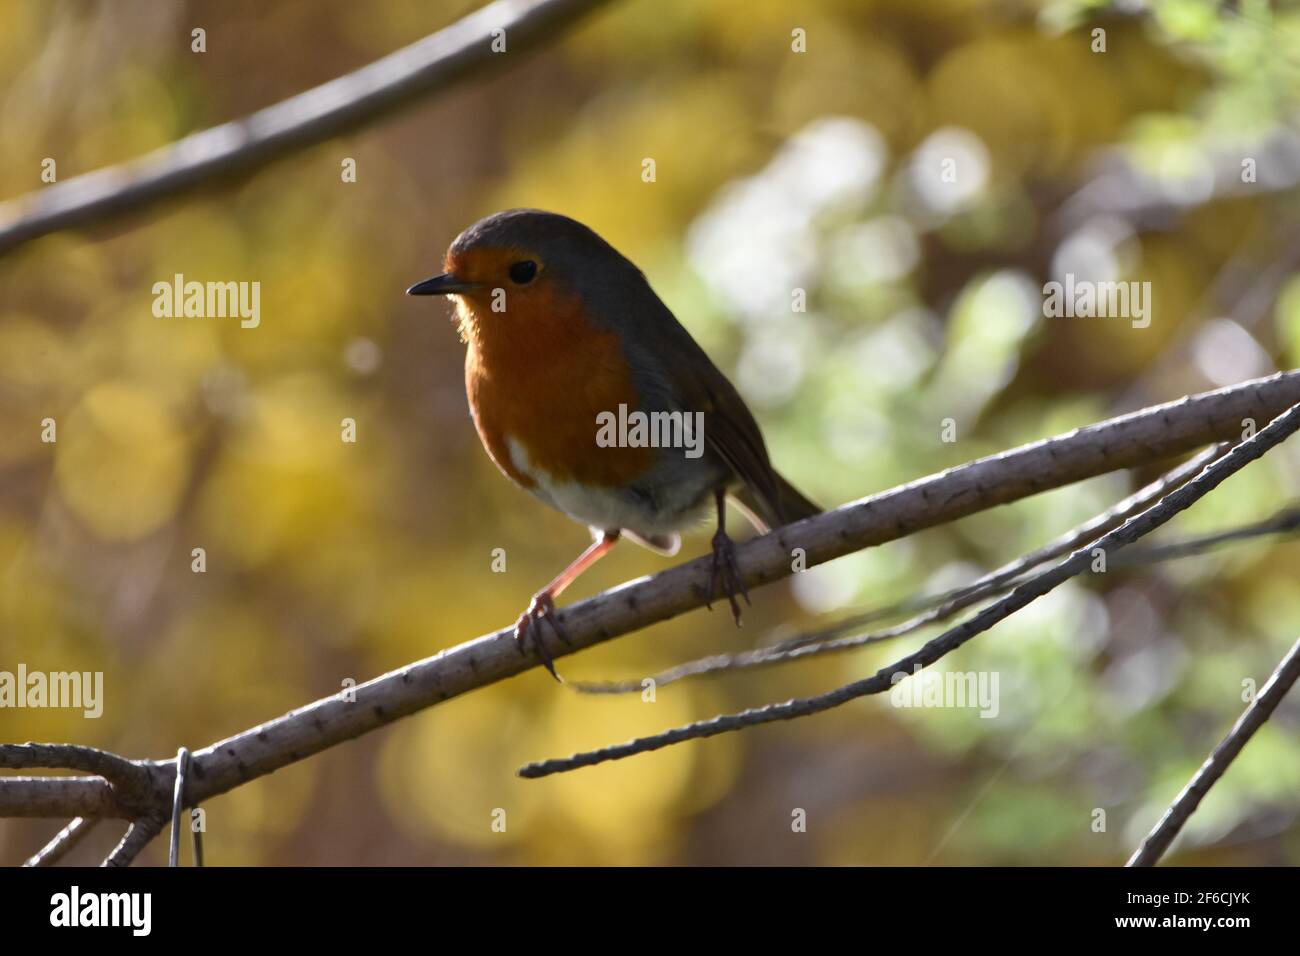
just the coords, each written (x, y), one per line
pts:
(725, 571)
(542, 607)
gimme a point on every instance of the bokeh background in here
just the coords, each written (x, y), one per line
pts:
(775, 170)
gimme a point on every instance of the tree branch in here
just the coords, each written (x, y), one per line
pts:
(343, 104)
(136, 838)
(1149, 435)
(131, 783)
(1260, 709)
(939, 607)
(62, 842)
(58, 797)
(1024, 594)
(1285, 521)
(815, 643)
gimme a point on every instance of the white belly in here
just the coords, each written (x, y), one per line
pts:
(607, 509)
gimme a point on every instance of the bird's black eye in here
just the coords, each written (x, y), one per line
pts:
(522, 272)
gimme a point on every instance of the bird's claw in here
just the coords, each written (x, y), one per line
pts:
(726, 573)
(542, 608)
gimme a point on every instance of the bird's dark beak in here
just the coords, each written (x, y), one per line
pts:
(445, 284)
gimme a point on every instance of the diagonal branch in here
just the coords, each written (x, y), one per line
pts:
(939, 607)
(1210, 478)
(1260, 709)
(346, 103)
(1285, 521)
(63, 842)
(136, 838)
(1149, 435)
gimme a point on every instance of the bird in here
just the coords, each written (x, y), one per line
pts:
(565, 338)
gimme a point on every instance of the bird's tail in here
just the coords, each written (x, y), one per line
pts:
(786, 506)
(793, 505)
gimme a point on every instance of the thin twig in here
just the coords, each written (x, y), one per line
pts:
(343, 104)
(1283, 522)
(136, 838)
(63, 842)
(960, 598)
(828, 640)
(1286, 521)
(1152, 434)
(1133, 529)
(1260, 709)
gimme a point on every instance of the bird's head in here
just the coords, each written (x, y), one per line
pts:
(523, 272)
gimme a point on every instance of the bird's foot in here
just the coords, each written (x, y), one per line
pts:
(529, 627)
(726, 573)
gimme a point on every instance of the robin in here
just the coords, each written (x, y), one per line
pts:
(570, 354)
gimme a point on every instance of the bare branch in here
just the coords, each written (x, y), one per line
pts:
(58, 797)
(1260, 709)
(1283, 522)
(62, 843)
(1155, 516)
(343, 104)
(827, 640)
(137, 837)
(132, 783)
(1149, 435)
(1286, 521)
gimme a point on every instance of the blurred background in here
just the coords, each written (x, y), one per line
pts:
(774, 170)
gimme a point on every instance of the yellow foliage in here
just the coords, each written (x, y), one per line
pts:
(122, 461)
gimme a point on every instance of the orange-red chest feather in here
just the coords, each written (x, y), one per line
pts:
(538, 375)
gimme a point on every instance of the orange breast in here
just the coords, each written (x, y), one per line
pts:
(540, 376)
